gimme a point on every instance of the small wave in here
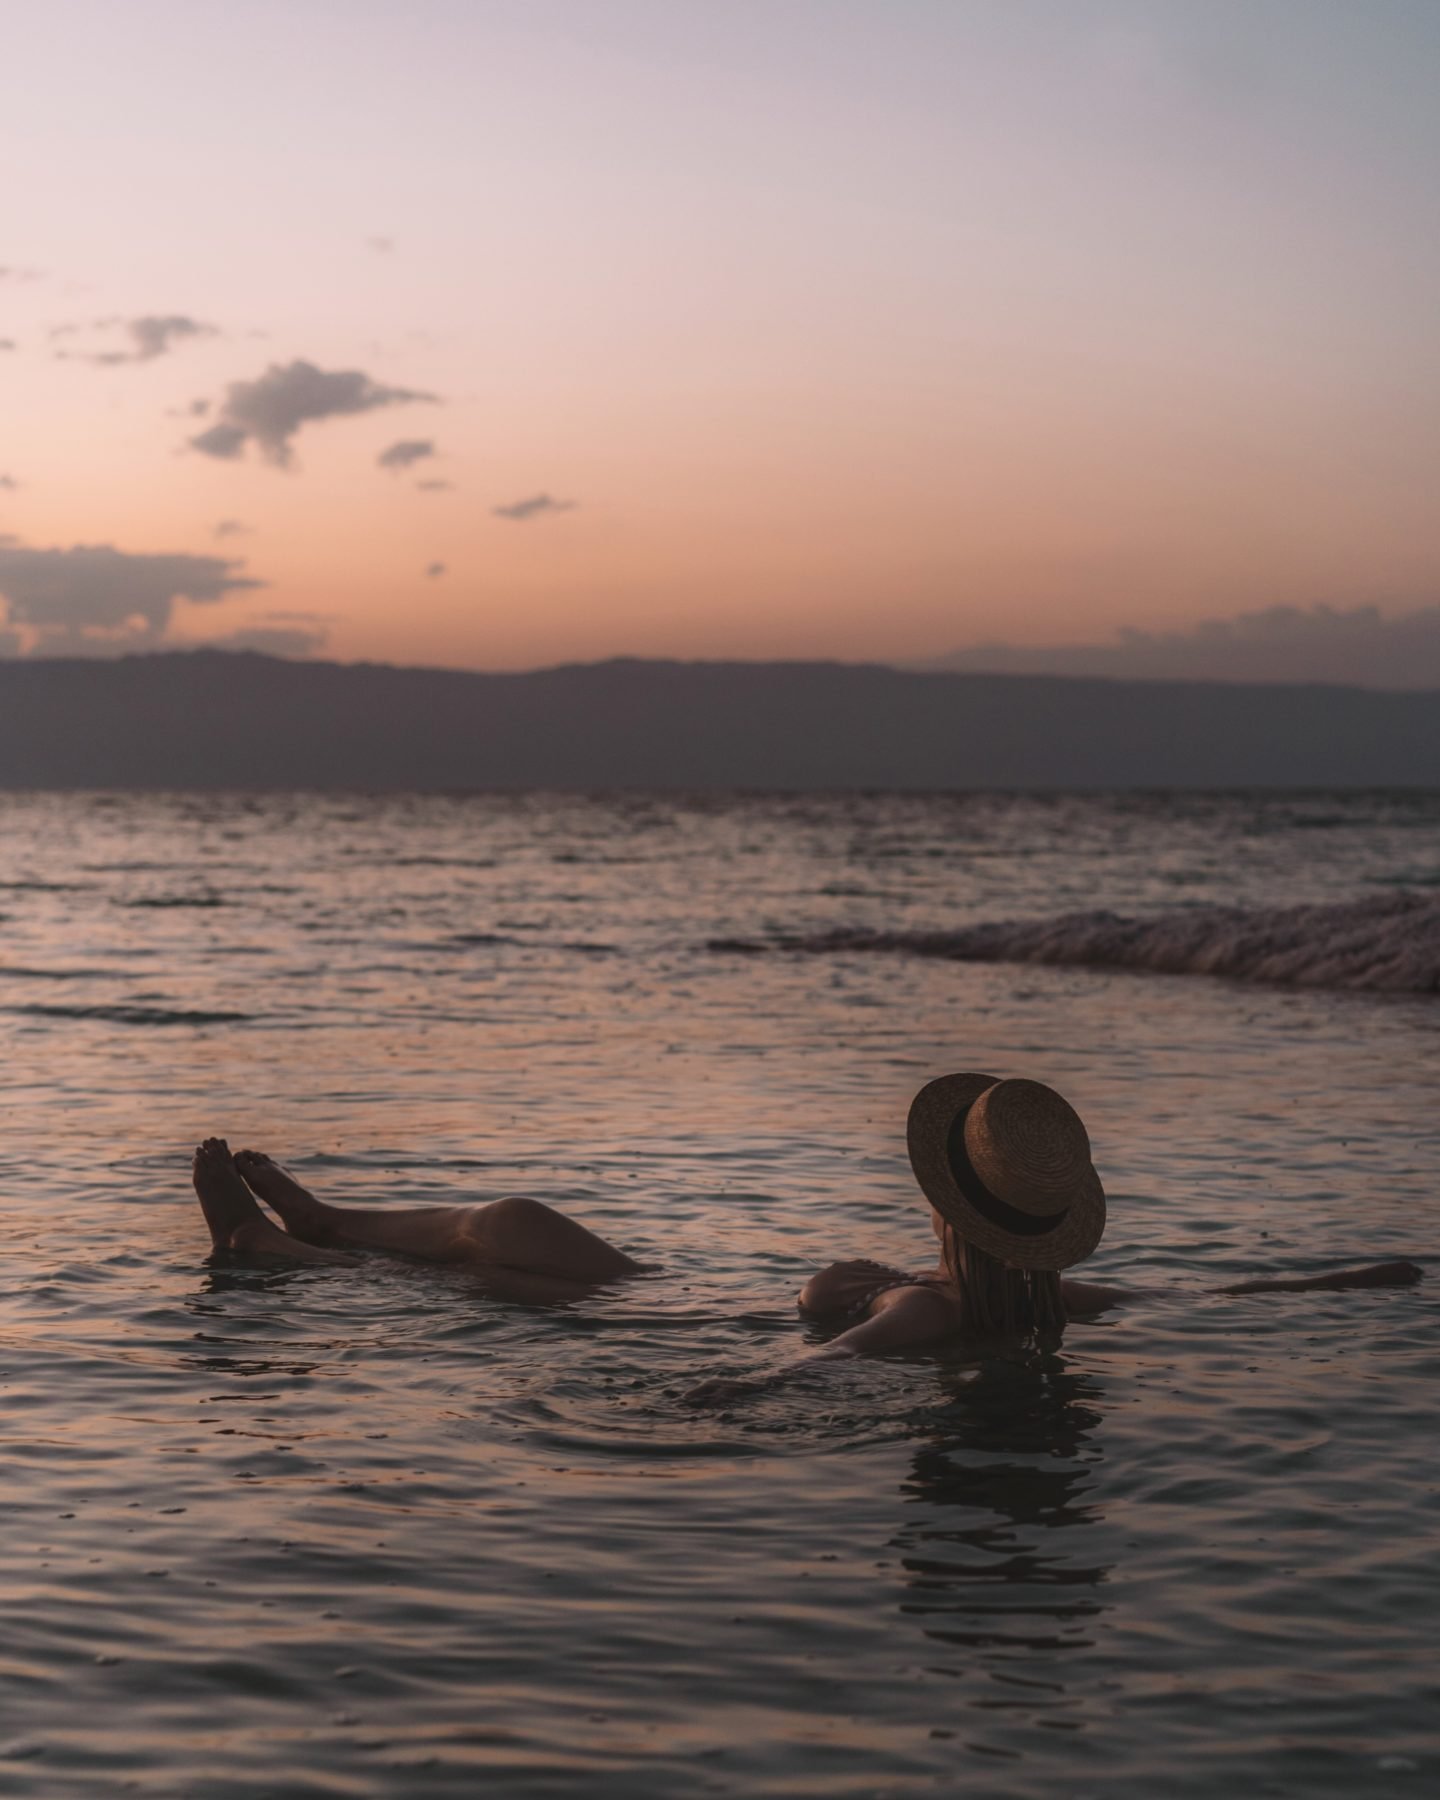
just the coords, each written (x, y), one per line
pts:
(159, 900)
(132, 1015)
(17, 972)
(1385, 945)
(478, 940)
(1421, 878)
(44, 887)
(111, 868)
(439, 862)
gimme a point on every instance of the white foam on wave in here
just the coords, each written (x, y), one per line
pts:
(1381, 945)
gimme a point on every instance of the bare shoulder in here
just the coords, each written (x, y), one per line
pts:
(901, 1318)
(927, 1298)
(845, 1288)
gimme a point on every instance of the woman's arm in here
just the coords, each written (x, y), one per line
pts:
(902, 1319)
(1375, 1275)
(1083, 1299)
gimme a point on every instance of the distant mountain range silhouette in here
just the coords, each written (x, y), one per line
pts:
(211, 719)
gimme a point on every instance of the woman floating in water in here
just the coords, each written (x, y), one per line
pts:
(1005, 1165)
(524, 1249)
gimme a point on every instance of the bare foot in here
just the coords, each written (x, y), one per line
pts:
(305, 1216)
(235, 1221)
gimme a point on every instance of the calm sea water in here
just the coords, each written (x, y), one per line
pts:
(366, 1532)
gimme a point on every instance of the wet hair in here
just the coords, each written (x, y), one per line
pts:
(999, 1300)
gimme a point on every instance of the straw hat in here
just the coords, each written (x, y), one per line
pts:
(1007, 1163)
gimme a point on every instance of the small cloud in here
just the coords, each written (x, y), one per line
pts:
(228, 528)
(151, 335)
(9, 272)
(155, 335)
(533, 507)
(434, 571)
(8, 484)
(271, 640)
(224, 441)
(406, 453)
(434, 486)
(382, 246)
(271, 409)
(1354, 646)
(8, 344)
(95, 599)
(275, 633)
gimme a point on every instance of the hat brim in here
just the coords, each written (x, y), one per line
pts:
(933, 1116)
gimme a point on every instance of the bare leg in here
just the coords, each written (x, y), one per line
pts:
(513, 1234)
(527, 1234)
(235, 1221)
(304, 1215)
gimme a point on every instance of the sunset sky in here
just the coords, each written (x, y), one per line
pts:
(819, 328)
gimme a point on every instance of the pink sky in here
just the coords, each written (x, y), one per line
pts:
(842, 330)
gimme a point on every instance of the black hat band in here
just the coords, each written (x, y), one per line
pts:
(990, 1206)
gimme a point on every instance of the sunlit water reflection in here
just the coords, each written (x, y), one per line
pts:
(367, 1532)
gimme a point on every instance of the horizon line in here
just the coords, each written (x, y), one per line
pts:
(627, 659)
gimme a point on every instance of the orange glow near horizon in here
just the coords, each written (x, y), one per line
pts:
(872, 345)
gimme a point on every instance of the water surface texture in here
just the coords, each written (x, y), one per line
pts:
(366, 1532)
